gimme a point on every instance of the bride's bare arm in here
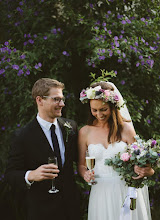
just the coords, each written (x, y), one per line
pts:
(82, 147)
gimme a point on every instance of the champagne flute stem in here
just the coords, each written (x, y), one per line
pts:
(53, 184)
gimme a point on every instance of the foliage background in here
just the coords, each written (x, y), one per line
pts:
(66, 40)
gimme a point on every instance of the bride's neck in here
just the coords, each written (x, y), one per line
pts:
(102, 124)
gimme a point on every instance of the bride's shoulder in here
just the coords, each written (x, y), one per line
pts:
(85, 129)
(128, 128)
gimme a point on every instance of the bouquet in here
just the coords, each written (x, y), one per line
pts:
(139, 153)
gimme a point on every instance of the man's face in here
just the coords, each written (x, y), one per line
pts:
(49, 109)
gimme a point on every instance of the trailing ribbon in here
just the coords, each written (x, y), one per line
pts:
(125, 210)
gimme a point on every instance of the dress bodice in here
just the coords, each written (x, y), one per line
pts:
(101, 153)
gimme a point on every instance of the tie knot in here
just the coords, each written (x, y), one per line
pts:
(52, 127)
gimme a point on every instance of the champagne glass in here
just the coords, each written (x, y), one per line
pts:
(90, 161)
(54, 161)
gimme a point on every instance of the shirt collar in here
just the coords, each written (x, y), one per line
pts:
(46, 124)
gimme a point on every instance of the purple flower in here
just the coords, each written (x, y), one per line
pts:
(54, 31)
(110, 53)
(65, 53)
(102, 57)
(123, 22)
(25, 67)
(148, 121)
(38, 65)
(141, 57)
(147, 101)
(103, 50)
(2, 71)
(45, 37)
(31, 41)
(115, 38)
(16, 67)
(153, 143)
(109, 12)
(104, 24)
(35, 35)
(128, 21)
(142, 40)
(136, 43)
(135, 146)
(3, 128)
(6, 43)
(109, 32)
(152, 48)
(119, 60)
(142, 19)
(27, 72)
(23, 56)
(20, 72)
(116, 43)
(123, 82)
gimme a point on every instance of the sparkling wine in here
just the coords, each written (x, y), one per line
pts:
(90, 162)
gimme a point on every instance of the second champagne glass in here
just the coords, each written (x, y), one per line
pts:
(54, 161)
(90, 161)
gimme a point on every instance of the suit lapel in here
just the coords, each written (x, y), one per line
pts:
(44, 145)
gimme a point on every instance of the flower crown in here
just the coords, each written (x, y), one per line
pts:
(99, 93)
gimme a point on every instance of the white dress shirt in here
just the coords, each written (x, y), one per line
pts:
(45, 125)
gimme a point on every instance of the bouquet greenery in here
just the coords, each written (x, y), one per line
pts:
(139, 153)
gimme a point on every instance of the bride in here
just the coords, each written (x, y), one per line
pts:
(106, 134)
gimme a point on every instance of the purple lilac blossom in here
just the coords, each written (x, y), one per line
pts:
(119, 60)
(23, 56)
(123, 82)
(16, 67)
(2, 71)
(27, 72)
(123, 22)
(31, 41)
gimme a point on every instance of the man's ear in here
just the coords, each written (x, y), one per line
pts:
(39, 100)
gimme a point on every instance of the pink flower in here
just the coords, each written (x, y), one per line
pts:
(83, 94)
(107, 92)
(116, 98)
(125, 156)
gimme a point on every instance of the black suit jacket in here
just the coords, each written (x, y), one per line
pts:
(31, 149)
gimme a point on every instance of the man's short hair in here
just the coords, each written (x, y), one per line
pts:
(42, 87)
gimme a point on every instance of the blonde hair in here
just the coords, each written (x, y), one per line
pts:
(42, 87)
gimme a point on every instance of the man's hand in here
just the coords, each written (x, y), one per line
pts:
(47, 171)
(143, 171)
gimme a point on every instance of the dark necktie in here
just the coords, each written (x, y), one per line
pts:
(56, 146)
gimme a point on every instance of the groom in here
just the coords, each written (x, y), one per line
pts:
(28, 170)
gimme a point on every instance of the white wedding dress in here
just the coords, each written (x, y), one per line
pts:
(108, 195)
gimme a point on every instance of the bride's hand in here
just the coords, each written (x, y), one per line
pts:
(143, 171)
(88, 175)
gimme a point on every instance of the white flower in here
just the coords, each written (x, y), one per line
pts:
(90, 93)
(67, 124)
(97, 88)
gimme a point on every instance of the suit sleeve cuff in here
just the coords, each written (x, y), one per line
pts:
(26, 178)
